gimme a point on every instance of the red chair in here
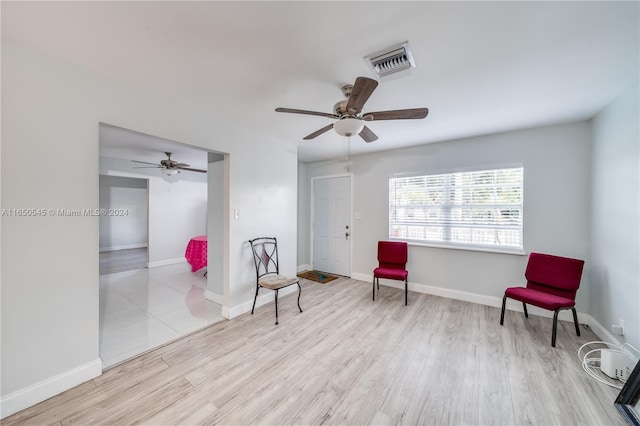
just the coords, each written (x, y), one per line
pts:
(392, 258)
(552, 283)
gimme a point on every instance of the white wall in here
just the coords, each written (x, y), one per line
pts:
(50, 115)
(304, 204)
(176, 214)
(556, 164)
(615, 247)
(129, 229)
(265, 196)
(215, 229)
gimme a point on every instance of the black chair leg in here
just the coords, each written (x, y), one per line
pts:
(504, 303)
(555, 328)
(406, 291)
(575, 321)
(374, 288)
(299, 293)
(526, 314)
(254, 299)
(276, 307)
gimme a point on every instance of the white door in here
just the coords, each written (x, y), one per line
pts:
(331, 225)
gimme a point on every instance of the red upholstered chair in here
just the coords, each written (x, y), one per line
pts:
(392, 260)
(552, 283)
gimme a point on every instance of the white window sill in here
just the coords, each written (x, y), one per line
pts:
(515, 252)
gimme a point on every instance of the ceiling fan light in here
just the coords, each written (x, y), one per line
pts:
(348, 126)
(170, 172)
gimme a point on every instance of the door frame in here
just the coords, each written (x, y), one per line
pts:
(311, 215)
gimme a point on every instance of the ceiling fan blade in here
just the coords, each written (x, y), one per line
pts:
(318, 132)
(397, 114)
(362, 90)
(303, 111)
(147, 167)
(368, 135)
(192, 170)
(180, 165)
(144, 162)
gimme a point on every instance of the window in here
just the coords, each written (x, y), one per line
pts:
(475, 209)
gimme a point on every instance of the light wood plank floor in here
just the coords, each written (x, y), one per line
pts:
(349, 360)
(123, 260)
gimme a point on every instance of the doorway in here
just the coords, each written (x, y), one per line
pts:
(163, 299)
(124, 234)
(331, 230)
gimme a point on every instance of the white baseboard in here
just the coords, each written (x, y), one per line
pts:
(125, 247)
(265, 296)
(306, 267)
(602, 331)
(606, 336)
(214, 297)
(481, 299)
(361, 277)
(38, 392)
(166, 262)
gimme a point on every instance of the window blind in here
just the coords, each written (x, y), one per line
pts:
(473, 208)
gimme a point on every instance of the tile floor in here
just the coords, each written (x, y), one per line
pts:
(145, 308)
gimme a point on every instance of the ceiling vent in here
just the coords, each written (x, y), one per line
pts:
(392, 60)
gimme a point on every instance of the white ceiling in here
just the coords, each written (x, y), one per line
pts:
(482, 67)
(117, 142)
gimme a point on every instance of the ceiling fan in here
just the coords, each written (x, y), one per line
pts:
(168, 167)
(348, 113)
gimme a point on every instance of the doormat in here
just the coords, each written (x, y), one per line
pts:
(321, 277)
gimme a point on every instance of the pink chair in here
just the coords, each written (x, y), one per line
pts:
(552, 283)
(392, 260)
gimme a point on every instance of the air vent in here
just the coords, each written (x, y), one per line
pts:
(392, 60)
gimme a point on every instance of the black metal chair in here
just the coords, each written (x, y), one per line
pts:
(265, 257)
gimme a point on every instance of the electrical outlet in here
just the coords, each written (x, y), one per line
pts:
(618, 329)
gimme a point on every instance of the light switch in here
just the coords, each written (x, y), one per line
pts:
(357, 215)
(236, 213)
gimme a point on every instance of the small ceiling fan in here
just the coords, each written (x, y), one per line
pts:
(348, 113)
(168, 167)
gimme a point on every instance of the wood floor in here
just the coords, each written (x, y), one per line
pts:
(123, 260)
(350, 361)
